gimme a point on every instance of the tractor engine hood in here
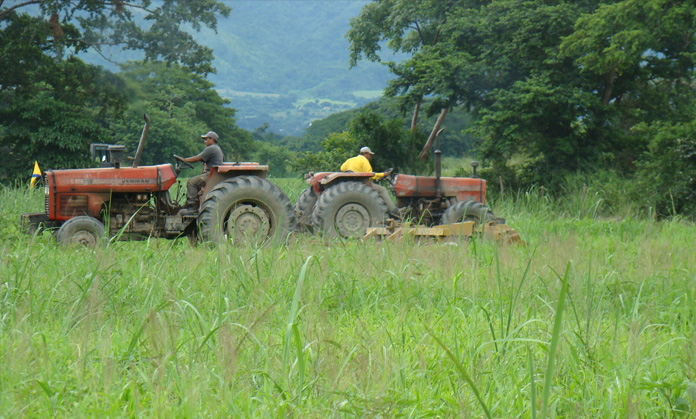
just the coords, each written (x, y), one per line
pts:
(145, 179)
(409, 186)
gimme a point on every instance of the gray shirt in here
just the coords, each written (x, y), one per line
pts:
(211, 156)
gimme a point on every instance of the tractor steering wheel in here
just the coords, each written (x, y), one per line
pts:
(182, 161)
(390, 176)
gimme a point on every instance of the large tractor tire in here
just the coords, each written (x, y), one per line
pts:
(467, 211)
(246, 209)
(82, 231)
(303, 209)
(348, 209)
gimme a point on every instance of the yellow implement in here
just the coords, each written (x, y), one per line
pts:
(395, 231)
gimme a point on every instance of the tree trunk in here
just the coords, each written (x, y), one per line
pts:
(608, 86)
(414, 120)
(426, 148)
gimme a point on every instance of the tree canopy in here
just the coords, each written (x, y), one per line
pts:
(561, 84)
(52, 104)
(182, 106)
(157, 28)
(391, 141)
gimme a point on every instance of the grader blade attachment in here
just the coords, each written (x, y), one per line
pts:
(396, 231)
(501, 233)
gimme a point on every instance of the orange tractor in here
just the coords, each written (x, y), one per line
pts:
(343, 204)
(238, 202)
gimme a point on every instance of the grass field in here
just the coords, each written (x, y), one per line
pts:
(594, 317)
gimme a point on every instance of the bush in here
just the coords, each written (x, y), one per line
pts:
(667, 174)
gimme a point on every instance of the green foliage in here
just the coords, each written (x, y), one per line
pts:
(49, 131)
(394, 146)
(453, 141)
(156, 29)
(668, 173)
(53, 105)
(169, 134)
(557, 85)
(278, 158)
(337, 148)
(50, 109)
(182, 106)
(269, 151)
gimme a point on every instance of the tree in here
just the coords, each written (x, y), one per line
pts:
(394, 146)
(667, 176)
(392, 143)
(182, 106)
(155, 28)
(336, 148)
(52, 105)
(278, 158)
(407, 27)
(52, 132)
(558, 83)
(50, 110)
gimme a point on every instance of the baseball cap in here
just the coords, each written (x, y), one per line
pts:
(210, 134)
(366, 150)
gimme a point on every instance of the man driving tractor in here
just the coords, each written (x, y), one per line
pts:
(361, 164)
(210, 156)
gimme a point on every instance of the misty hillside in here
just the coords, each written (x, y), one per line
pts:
(285, 62)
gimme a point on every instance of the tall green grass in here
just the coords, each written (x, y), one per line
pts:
(594, 317)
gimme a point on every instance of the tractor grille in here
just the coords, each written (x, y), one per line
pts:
(72, 205)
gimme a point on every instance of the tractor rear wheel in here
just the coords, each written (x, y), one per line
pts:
(246, 209)
(348, 209)
(303, 209)
(467, 211)
(83, 230)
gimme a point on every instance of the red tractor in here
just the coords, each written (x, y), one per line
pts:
(344, 204)
(237, 203)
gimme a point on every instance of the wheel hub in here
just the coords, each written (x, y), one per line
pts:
(84, 238)
(352, 220)
(248, 221)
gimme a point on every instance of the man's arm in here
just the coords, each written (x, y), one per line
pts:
(379, 176)
(193, 159)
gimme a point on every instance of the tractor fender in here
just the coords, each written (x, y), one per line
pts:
(324, 180)
(227, 170)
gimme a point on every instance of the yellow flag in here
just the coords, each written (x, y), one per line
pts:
(36, 175)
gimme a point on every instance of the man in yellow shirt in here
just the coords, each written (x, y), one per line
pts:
(361, 164)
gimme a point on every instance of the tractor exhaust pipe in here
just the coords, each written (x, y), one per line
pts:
(474, 165)
(141, 144)
(438, 165)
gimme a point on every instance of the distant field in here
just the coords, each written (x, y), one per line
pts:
(594, 317)
(368, 94)
(227, 93)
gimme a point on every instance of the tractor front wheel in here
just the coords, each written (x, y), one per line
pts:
(83, 230)
(246, 209)
(467, 211)
(348, 209)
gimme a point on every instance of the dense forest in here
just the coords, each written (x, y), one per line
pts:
(546, 89)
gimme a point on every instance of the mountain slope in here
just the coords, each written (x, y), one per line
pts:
(275, 57)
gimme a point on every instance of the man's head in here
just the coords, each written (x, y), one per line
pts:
(365, 151)
(210, 138)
